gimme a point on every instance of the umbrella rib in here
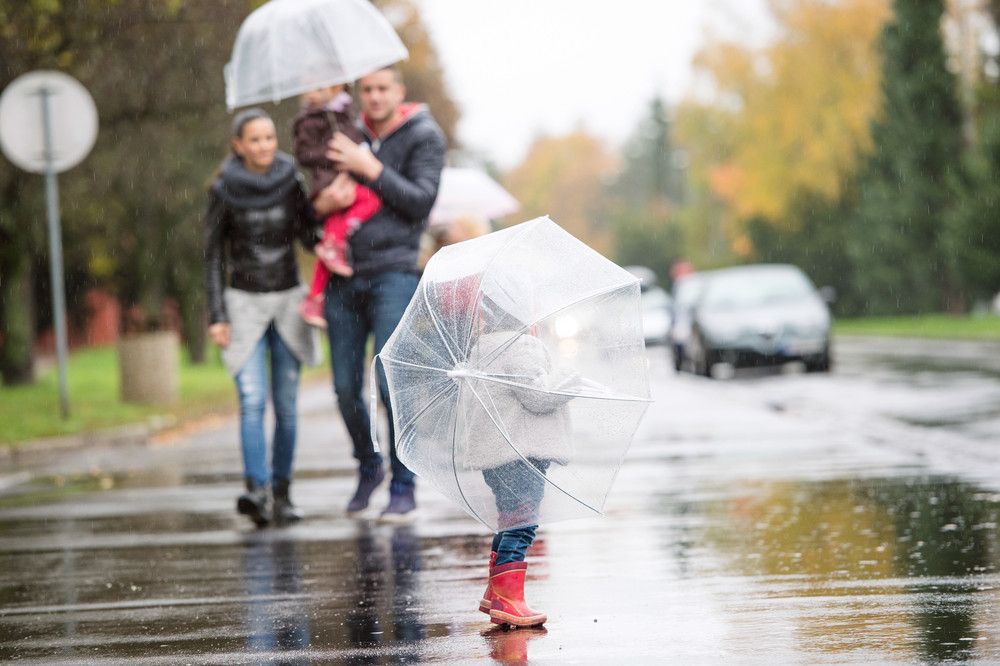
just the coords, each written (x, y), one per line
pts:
(445, 337)
(431, 402)
(458, 483)
(617, 397)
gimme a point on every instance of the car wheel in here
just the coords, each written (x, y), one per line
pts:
(821, 364)
(701, 356)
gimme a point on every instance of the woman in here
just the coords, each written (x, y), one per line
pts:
(257, 207)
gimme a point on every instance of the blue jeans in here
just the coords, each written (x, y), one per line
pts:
(518, 496)
(252, 386)
(356, 308)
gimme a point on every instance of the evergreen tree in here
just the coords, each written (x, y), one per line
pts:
(647, 193)
(900, 244)
(817, 246)
(974, 241)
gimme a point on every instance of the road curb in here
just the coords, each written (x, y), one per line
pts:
(39, 450)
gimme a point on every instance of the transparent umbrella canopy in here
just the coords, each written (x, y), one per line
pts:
(519, 370)
(288, 47)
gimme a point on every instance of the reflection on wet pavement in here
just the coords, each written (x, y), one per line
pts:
(736, 532)
(926, 546)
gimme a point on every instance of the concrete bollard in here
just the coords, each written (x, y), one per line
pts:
(149, 367)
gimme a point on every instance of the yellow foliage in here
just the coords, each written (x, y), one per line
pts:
(796, 113)
(726, 180)
(564, 178)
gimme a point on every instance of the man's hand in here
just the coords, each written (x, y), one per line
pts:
(338, 195)
(219, 333)
(349, 156)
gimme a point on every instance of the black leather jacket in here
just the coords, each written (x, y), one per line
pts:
(250, 229)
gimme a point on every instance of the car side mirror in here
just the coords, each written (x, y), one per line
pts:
(828, 294)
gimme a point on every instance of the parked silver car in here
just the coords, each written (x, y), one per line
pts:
(656, 306)
(762, 314)
(656, 315)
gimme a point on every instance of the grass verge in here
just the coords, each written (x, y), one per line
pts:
(934, 326)
(94, 392)
(32, 412)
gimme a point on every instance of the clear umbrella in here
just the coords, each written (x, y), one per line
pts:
(519, 369)
(288, 47)
(463, 191)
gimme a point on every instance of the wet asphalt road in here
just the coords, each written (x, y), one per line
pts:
(770, 518)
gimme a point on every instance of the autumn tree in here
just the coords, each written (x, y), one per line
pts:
(564, 178)
(154, 69)
(791, 117)
(132, 211)
(422, 71)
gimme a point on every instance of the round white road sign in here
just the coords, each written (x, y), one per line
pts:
(69, 133)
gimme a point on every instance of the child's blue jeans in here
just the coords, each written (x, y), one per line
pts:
(513, 503)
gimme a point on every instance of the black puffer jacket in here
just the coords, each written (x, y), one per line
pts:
(412, 156)
(252, 223)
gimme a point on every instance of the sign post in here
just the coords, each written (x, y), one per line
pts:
(48, 124)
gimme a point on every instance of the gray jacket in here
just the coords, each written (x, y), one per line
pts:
(522, 414)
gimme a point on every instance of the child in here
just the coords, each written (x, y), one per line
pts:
(540, 429)
(324, 112)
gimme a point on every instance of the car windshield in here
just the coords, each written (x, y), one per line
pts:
(747, 289)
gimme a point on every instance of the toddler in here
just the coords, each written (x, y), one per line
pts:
(324, 112)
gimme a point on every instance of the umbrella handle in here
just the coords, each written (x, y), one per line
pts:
(595, 387)
(373, 404)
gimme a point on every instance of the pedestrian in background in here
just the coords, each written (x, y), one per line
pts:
(257, 208)
(403, 167)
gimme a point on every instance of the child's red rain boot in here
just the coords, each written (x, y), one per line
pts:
(311, 310)
(508, 605)
(334, 257)
(487, 601)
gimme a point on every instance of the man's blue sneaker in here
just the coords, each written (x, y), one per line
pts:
(402, 505)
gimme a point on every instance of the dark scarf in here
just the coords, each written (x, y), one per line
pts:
(242, 188)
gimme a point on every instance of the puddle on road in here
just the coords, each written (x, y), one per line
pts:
(923, 551)
(888, 569)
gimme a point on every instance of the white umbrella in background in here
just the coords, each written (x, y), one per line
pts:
(288, 47)
(466, 191)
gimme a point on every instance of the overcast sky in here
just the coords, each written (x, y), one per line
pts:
(520, 68)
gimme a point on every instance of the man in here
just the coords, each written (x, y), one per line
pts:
(403, 167)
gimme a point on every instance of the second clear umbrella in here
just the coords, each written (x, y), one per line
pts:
(288, 47)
